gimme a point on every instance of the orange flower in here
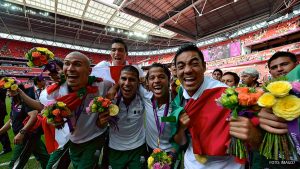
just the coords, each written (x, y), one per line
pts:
(257, 95)
(106, 103)
(157, 150)
(242, 90)
(64, 113)
(100, 99)
(56, 112)
(244, 99)
(249, 99)
(36, 54)
(2, 82)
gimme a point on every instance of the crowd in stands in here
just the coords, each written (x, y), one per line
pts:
(271, 32)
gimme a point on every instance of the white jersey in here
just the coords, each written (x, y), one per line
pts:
(152, 133)
(131, 133)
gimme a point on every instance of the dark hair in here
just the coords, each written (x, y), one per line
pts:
(119, 40)
(282, 54)
(165, 68)
(235, 77)
(218, 70)
(189, 47)
(37, 79)
(129, 68)
(59, 62)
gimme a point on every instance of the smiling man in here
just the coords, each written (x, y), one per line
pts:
(281, 63)
(202, 123)
(158, 110)
(118, 54)
(127, 144)
(77, 92)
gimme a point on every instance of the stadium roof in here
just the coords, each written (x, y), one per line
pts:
(144, 24)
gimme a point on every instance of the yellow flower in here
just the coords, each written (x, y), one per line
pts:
(7, 85)
(14, 87)
(10, 80)
(279, 88)
(41, 49)
(61, 104)
(150, 161)
(50, 54)
(177, 82)
(287, 107)
(266, 100)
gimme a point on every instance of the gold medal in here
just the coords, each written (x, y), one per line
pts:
(200, 158)
(113, 110)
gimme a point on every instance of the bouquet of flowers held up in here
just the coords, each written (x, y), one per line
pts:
(9, 83)
(159, 160)
(243, 102)
(39, 57)
(57, 114)
(281, 97)
(100, 104)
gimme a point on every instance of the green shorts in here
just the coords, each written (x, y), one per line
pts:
(131, 159)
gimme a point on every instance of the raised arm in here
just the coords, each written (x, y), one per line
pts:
(34, 104)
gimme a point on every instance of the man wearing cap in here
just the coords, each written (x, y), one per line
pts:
(249, 77)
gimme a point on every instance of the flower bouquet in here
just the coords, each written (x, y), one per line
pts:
(57, 114)
(100, 104)
(39, 57)
(280, 97)
(242, 101)
(159, 160)
(9, 83)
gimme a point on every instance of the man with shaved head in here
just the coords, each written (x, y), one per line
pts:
(86, 137)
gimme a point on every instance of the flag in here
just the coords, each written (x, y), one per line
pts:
(208, 125)
(110, 73)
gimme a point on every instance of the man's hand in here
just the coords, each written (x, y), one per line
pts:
(243, 129)
(184, 120)
(180, 137)
(271, 123)
(103, 118)
(19, 138)
(111, 93)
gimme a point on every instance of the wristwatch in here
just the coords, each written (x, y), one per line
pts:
(22, 131)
